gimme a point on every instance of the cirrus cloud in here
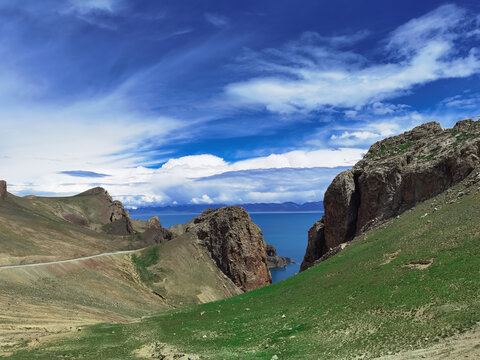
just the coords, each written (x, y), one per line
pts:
(307, 77)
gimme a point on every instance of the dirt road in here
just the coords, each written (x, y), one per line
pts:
(66, 261)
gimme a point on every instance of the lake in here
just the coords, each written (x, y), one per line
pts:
(288, 232)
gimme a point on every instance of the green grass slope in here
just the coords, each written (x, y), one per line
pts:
(406, 285)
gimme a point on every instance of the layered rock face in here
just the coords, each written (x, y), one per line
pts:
(395, 174)
(3, 189)
(274, 261)
(235, 244)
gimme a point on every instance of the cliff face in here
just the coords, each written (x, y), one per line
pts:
(395, 174)
(235, 243)
(316, 245)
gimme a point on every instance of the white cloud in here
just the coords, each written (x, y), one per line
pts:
(442, 24)
(99, 135)
(366, 133)
(196, 166)
(370, 128)
(216, 19)
(268, 185)
(195, 179)
(464, 101)
(193, 166)
(302, 81)
(343, 40)
(205, 199)
(361, 135)
(380, 108)
(86, 6)
(303, 159)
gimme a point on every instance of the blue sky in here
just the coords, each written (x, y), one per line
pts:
(166, 102)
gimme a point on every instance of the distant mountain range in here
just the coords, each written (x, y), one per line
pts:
(257, 207)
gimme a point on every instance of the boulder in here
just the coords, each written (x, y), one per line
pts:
(395, 174)
(3, 189)
(235, 243)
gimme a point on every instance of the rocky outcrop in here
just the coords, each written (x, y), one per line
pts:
(235, 243)
(316, 245)
(108, 212)
(3, 189)
(155, 233)
(274, 261)
(395, 174)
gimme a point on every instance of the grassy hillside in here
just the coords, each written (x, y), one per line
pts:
(407, 285)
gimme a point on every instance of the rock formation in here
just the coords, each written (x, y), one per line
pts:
(316, 245)
(235, 243)
(3, 189)
(274, 261)
(110, 213)
(155, 233)
(395, 174)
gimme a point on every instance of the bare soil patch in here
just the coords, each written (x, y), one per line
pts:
(390, 257)
(158, 350)
(420, 264)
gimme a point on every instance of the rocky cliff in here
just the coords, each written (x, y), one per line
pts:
(395, 174)
(235, 243)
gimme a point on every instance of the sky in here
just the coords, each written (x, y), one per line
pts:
(182, 102)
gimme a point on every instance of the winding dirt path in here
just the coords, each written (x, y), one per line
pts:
(66, 261)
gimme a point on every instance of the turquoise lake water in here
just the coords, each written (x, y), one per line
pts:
(286, 231)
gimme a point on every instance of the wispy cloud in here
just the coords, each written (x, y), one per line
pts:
(306, 76)
(343, 40)
(83, 173)
(463, 101)
(217, 20)
(86, 6)
(445, 24)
